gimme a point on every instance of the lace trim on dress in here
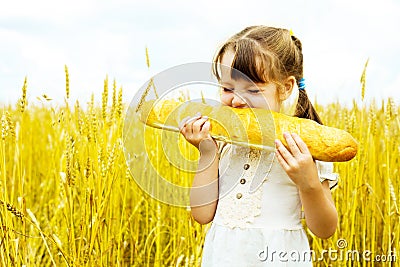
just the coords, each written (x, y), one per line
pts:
(241, 212)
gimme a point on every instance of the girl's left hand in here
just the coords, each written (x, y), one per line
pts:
(297, 162)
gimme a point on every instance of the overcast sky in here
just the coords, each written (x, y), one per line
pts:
(99, 38)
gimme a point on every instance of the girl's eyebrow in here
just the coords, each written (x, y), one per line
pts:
(257, 88)
(250, 86)
(254, 86)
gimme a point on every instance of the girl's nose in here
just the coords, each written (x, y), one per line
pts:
(238, 101)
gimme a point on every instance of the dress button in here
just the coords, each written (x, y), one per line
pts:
(239, 195)
(246, 166)
(242, 181)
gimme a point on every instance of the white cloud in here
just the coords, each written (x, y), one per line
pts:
(46, 9)
(95, 38)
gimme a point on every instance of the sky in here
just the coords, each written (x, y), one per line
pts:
(102, 38)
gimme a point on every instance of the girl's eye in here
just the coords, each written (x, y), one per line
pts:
(228, 90)
(254, 91)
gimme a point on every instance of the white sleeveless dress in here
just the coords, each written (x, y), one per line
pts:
(258, 216)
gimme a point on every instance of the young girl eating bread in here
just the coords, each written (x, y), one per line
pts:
(261, 227)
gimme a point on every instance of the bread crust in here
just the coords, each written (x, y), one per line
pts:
(256, 127)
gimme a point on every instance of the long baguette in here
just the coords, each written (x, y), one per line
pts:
(257, 127)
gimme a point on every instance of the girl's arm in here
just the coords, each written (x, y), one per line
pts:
(319, 209)
(320, 212)
(204, 191)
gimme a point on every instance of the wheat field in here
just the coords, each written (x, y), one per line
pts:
(67, 197)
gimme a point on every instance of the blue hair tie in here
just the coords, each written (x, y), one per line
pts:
(302, 84)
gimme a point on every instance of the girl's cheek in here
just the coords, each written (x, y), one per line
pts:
(266, 101)
(258, 102)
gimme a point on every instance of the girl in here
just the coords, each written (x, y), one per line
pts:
(260, 228)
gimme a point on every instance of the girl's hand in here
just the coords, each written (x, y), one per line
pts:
(298, 162)
(196, 131)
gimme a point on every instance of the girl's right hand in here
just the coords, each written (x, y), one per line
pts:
(196, 131)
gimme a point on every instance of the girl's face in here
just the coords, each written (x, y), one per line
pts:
(242, 93)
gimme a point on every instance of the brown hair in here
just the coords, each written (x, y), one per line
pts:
(267, 54)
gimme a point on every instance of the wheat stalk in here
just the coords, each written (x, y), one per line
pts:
(12, 209)
(363, 80)
(114, 101)
(104, 99)
(66, 81)
(119, 104)
(23, 103)
(4, 127)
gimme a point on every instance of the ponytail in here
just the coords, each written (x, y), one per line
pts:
(304, 108)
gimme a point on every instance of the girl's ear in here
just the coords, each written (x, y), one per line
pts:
(287, 88)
